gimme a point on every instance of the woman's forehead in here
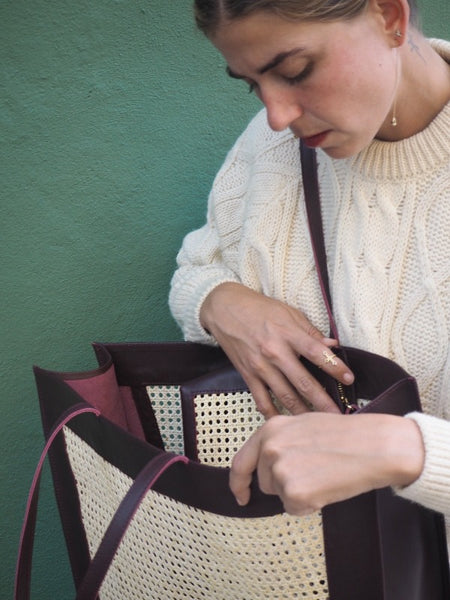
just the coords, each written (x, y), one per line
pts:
(262, 40)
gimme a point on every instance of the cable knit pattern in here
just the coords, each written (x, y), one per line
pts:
(387, 230)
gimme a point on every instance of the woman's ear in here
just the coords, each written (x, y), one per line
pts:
(394, 18)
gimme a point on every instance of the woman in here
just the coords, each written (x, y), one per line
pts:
(358, 81)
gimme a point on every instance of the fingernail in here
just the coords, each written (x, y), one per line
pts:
(348, 378)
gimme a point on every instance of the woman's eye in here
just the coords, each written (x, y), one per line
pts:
(301, 76)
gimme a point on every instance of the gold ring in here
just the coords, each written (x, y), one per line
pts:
(329, 358)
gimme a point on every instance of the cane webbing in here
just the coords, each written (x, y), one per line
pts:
(165, 401)
(175, 552)
(223, 423)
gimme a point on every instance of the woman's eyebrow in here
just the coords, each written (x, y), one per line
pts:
(276, 60)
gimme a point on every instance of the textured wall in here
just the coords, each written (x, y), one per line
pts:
(114, 117)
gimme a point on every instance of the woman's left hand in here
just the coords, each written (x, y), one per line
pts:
(315, 459)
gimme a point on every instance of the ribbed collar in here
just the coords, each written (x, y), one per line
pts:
(420, 153)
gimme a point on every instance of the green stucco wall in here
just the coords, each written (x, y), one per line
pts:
(114, 117)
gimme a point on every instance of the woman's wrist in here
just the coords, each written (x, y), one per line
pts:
(207, 308)
(403, 449)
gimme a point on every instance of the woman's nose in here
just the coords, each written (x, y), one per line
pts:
(282, 110)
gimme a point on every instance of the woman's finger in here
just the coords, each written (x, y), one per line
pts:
(320, 353)
(244, 464)
(262, 397)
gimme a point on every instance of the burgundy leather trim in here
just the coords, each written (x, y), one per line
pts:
(223, 380)
(24, 561)
(52, 391)
(147, 417)
(168, 363)
(118, 526)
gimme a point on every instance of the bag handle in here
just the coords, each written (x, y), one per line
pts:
(98, 568)
(25, 553)
(312, 202)
(99, 565)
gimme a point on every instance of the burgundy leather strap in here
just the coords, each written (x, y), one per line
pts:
(92, 581)
(312, 203)
(25, 555)
(98, 568)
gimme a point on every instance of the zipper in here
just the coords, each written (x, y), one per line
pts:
(349, 407)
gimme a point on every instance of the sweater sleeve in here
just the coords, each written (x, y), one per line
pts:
(200, 270)
(432, 488)
(209, 255)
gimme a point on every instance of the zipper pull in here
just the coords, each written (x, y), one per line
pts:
(347, 405)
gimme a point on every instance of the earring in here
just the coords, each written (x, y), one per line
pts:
(394, 118)
(398, 33)
(397, 77)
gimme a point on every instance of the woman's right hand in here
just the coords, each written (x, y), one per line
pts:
(264, 339)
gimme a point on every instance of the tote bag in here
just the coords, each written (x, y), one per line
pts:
(167, 419)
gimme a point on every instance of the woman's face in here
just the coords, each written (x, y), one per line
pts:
(333, 84)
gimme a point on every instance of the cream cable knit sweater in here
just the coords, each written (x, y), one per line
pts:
(387, 229)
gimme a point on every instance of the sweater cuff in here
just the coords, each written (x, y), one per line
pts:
(193, 297)
(431, 489)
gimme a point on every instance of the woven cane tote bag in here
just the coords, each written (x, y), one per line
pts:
(183, 536)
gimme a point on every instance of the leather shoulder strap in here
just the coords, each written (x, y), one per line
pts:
(25, 553)
(98, 568)
(312, 203)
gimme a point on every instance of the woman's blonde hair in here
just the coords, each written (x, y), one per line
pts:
(210, 13)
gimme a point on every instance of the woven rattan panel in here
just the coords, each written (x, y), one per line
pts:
(165, 401)
(174, 552)
(223, 423)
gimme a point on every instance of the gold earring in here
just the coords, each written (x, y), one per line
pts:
(394, 121)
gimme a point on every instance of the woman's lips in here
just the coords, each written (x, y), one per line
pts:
(315, 140)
